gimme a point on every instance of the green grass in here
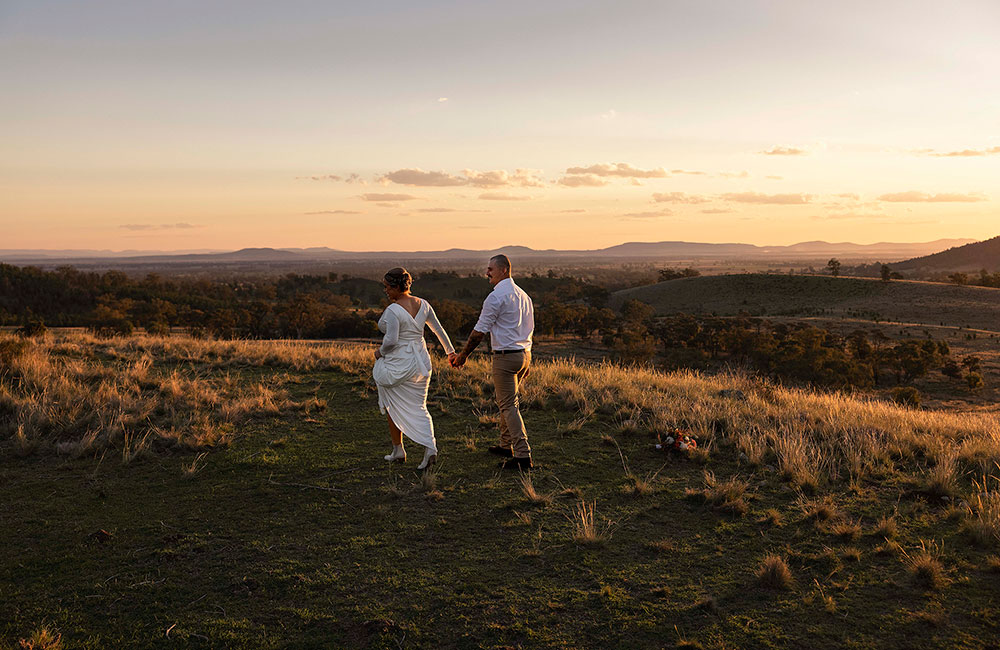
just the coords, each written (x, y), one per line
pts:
(299, 535)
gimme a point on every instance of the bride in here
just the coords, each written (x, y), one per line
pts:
(402, 369)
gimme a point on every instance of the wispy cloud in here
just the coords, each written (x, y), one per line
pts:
(623, 170)
(914, 196)
(773, 199)
(503, 196)
(442, 99)
(388, 197)
(447, 210)
(420, 178)
(585, 180)
(574, 211)
(487, 179)
(742, 174)
(335, 212)
(386, 204)
(665, 212)
(785, 151)
(775, 178)
(159, 226)
(717, 211)
(849, 195)
(964, 153)
(837, 216)
(500, 178)
(678, 197)
(688, 172)
(323, 177)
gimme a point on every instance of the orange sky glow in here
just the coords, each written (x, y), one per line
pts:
(418, 126)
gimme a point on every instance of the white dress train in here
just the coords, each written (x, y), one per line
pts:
(403, 373)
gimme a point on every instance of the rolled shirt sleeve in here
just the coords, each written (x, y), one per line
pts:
(488, 316)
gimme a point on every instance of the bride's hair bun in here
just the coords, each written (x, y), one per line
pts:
(398, 278)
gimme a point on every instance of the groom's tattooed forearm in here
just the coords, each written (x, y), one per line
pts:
(474, 340)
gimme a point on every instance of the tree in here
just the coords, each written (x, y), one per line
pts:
(673, 274)
(886, 273)
(959, 278)
(834, 266)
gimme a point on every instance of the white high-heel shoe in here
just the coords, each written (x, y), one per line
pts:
(398, 455)
(430, 456)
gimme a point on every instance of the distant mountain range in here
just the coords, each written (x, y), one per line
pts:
(670, 250)
(970, 257)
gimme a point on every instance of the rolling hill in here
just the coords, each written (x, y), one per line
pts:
(801, 295)
(649, 251)
(971, 257)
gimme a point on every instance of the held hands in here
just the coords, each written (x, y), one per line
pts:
(378, 354)
(456, 360)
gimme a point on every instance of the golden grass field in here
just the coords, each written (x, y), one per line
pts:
(802, 518)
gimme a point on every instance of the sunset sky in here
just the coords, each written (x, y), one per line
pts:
(430, 125)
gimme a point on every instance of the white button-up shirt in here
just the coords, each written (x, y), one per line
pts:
(509, 317)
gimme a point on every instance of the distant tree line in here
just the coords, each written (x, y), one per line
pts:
(289, 306)
(798, 352)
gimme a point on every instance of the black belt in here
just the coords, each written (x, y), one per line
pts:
(507, 351)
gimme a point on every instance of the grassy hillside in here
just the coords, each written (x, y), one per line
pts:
(806, 295)
(971, 257)
(803, 519)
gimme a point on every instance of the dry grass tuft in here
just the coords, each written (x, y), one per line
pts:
(847, 530)
(982, 523)
(571, 493)
(531, 495)
(701, 454)
(942, 479)
(395, 488)
(192, 468)
(851, 554)
(890, 547)
(829, 604)
(992, 563)
(640, 487)
(585, 527)
(688, 644)
(42, 639)
(824, 510)
(772, 517)
(774, 573)
(429, 479)
(662, 546)
(886, 528)
(729, 495)
(925, 567)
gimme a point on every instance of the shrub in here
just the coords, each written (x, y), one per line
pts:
(906, 395)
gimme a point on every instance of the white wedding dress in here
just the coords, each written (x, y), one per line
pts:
(403, 373)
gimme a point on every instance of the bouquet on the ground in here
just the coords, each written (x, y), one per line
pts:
(676, 440)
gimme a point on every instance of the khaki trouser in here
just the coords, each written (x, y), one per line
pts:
(509, 370)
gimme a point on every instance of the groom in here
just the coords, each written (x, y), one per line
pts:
(509, 317)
